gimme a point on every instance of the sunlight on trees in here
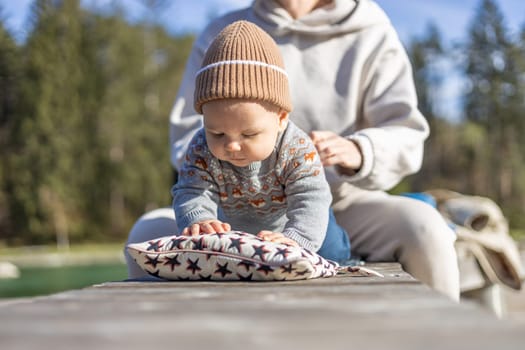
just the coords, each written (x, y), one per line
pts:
(84, 105)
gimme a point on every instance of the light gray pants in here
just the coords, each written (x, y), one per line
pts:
(381, 227)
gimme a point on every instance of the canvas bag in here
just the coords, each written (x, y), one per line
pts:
(483, 230)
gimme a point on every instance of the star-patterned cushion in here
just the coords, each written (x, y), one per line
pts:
(231, 256)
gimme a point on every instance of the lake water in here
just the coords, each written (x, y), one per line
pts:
(47, 280)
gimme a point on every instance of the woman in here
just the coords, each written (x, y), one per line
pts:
(353, 92)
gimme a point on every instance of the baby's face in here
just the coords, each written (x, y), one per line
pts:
(242, 131)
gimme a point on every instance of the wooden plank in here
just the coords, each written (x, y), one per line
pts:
(395, 312)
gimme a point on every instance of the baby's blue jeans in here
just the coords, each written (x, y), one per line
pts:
(336, 245)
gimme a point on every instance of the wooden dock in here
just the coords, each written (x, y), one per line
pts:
(394, 312)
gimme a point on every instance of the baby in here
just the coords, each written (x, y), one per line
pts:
(250, 168)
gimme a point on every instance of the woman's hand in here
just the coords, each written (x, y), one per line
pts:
(276, 237)
(339, 151)
(206, 227)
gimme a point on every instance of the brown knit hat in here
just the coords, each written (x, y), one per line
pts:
(243, 62)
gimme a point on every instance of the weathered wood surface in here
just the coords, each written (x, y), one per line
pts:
(395, 312)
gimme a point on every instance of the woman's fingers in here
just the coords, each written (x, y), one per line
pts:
(337, 150)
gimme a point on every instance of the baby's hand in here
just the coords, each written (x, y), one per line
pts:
(206, 227)
(277, 237)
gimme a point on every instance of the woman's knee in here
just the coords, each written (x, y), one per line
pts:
(156, 223)
(421, 225)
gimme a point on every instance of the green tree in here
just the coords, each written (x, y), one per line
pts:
(50, 164)
(427, 54)
(9, 91)
(90, 135)
(518, 103)
(135, 109)
(493, 102)
(427, 57)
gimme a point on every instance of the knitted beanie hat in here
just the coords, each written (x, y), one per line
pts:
(242, 62)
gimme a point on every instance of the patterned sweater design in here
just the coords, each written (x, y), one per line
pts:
(287, 192)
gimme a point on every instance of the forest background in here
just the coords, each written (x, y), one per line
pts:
(85, 99)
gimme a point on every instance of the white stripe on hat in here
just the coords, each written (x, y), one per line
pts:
(255, 63)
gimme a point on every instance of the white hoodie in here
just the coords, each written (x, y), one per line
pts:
(349, 73)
